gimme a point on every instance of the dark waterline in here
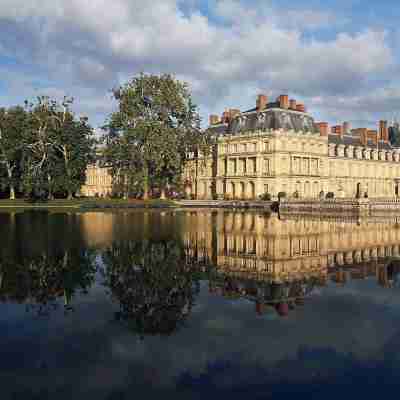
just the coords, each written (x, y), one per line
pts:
(197, 304)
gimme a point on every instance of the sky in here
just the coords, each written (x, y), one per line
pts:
(339, 57)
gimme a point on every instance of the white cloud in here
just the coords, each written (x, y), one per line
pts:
(94, 44)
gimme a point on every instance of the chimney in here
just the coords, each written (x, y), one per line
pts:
(337, 129)
(364, 136)
(373, 135)
(214, 119)
(346, 128)
(283, 101)
(261, 103)
(383, 131)
(225, 117)
(292, 104)
(300, 107)
(323, 128)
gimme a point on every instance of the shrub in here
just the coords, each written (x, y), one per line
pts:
(265, 197)
(281, 195)
(330, 195)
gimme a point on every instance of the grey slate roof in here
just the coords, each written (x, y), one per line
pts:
(219, 129)
(271, 118)
(355, 141)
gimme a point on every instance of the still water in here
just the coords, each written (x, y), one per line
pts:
(195, 304)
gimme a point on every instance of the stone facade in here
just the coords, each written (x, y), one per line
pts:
(98, 182)
(281, 149)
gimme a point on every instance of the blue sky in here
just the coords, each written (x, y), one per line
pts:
(341, 58)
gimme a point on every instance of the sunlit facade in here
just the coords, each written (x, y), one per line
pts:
(277, 147)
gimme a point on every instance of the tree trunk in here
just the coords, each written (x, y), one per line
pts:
(12, 188)
(12, 192)
(145, 183)
(50, 196)
(163, 195)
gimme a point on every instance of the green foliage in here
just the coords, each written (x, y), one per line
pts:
(281, 195)
(13, 127)
(149, 137)
(330, 195)
(265, 197)
(44, 148)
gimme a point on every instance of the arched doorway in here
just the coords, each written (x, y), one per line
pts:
(316, 189)
(251, 190)
(307, 189)
(204, 190)
(188, 191)
(241, 193)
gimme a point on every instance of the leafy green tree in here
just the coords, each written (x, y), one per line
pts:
(74, 145)
(150, 135)
(13, 125)
(59, 147)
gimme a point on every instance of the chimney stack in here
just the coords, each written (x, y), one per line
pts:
(373, 136)
(214, 119)
(261, 103)
(300, 107)
(283, 101)
(225, 117)
(383, 131)
(323, 128)
(337, 129)
(346, 128)
(364, 136)
(292, 104)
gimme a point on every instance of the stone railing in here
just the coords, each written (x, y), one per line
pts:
(225, 203)
(351, 206)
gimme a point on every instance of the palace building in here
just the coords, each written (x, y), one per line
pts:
(98, 181)
(278, 147)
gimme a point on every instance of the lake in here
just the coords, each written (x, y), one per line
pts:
(196, 304)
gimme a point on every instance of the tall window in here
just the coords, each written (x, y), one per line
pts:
(266, 166)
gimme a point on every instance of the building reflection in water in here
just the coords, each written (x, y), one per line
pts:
(153, 261)
(278, 263)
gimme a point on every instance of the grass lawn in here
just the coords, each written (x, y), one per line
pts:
(86, 203)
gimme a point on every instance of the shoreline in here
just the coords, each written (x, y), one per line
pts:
(298, 206)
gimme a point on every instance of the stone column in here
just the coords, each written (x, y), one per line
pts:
(339, 258)
(259, 165)
(349, 257)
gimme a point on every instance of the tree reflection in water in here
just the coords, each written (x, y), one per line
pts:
(153, 282)
(43, 280)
